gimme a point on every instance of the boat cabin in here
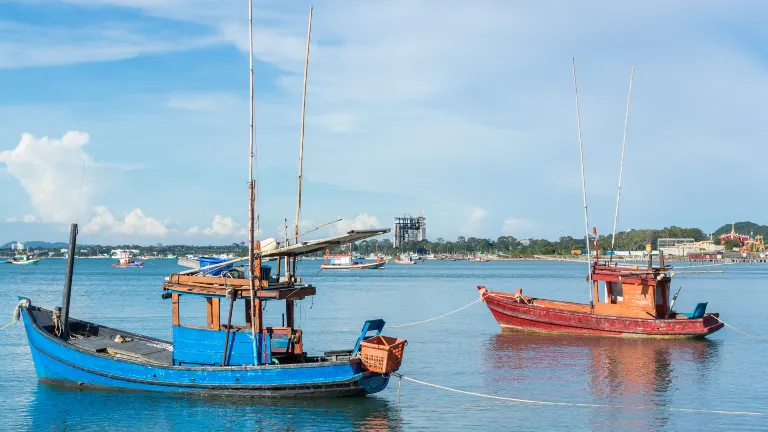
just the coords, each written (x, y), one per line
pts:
(631, 292)
(218, 341)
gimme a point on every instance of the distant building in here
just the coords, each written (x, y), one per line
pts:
(686, 246)
(19, 246)
(409, 228)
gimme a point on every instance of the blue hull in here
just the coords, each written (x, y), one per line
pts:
(68, 363)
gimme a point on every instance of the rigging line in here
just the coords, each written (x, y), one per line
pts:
(574, 404)
(621, 165)
(583, 180)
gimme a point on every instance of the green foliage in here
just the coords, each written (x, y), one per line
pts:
(730, 245)
(744, 228)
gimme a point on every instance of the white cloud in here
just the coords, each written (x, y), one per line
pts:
(35, 46)
(134, 223)
(50, 171)
(478, 214)
(514, 227)
(362, 221)
(475, 223)
(221, 226)
(29, 218)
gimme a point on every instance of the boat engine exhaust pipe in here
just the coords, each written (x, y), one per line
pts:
(68, 283)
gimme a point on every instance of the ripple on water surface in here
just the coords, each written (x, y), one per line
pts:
(647, 379)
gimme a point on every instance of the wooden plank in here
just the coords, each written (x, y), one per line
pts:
(278, 294)
(248, 313)
(182, 279)
(209, 313)
(213, 312)
(175, 309)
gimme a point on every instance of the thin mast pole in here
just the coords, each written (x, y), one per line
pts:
(252, 196)
(621, 166)
(301, 140)
(583, 181)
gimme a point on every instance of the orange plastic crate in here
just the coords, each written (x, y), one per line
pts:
(382, 354)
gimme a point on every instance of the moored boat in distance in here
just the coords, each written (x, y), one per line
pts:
(128, 263)
(628, 301)
(405, 259)
(24, 259)
(349, 262)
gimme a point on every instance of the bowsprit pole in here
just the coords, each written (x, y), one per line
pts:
(583, 181)
(621, 165)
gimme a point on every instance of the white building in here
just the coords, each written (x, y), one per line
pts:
(19, 246)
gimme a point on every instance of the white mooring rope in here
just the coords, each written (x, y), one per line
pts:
(588, 405)
(16, 313)
(441, 316)
(739, 331)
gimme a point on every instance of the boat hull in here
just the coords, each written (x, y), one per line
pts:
(513, 315)
(131, 265)
(30, 262)
(365, 266)
(64, 363)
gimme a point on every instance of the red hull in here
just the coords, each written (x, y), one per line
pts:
(516, 316)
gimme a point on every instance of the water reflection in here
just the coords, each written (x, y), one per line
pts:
(65, 408)
(644, 373)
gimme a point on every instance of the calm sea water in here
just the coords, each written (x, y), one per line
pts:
(465, 350)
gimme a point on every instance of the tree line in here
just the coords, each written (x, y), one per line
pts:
(633, 240)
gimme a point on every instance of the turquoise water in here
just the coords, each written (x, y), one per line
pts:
(643, 378)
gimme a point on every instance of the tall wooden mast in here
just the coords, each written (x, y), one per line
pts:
(255, 323)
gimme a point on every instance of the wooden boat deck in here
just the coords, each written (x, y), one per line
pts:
(135, 350)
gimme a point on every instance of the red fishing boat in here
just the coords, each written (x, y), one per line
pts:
(628, 301)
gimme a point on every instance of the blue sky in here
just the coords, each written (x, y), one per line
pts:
(463, 110)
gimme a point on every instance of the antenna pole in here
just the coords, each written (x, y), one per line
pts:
(583, 181)
(621, 166)
(301, 140)
(255, 326)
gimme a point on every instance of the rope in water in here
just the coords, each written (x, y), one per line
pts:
(441, 316)
(16, 313)
(740, 331)
(588, 405)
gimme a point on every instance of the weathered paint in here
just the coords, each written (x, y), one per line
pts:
(514, 315)
(56, 360)
(196, 346)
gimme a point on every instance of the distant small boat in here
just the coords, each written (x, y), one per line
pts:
(349, 262)
(24, 259)
(405, 259)
(128, 263)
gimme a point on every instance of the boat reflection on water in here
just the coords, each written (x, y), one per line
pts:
(650, 374)
(55, 407)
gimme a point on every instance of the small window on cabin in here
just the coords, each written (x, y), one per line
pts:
(192, 311)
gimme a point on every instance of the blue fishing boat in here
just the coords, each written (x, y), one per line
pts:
(214, 357)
